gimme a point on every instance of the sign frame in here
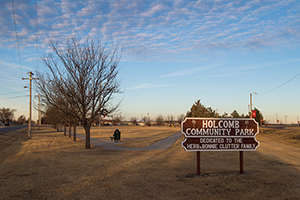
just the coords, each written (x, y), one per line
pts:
(221, 136)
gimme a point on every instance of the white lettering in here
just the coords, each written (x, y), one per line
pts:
(225, 124)
(220, 125)
(204, 124)
(186, 131)
(237, 124)
(210, 124)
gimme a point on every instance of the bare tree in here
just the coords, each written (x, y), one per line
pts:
(79, 75)
(170, 119)
(180, 118)
(159, 120)
(119, 119)
(147, 121)
(133, 120)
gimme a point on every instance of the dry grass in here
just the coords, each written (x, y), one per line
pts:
(52, 166)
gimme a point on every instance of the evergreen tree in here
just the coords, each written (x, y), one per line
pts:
(199, 110)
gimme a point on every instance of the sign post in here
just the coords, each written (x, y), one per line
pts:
(220, 134)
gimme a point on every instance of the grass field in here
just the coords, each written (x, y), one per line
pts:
(52, 166)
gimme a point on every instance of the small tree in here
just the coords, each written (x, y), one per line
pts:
(119, 119)
(180, 118)
(80, 74)
(159, 119)
(199, 110)
(21, 119)
(7, 115)
(259, 117)
(170, 119)
(133, 120)
(235, 114)
(147, 121)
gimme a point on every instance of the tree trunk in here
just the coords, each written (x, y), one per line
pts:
(87, 128)
(74, 132)
(65, 129)
(70, 130)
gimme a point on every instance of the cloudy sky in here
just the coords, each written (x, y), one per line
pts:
(174, 52)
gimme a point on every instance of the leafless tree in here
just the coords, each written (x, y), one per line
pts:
(170, 119)
(79, 75)
(133, 120)
(119, 118)
(147, 121)
(180, 118)
(159, 120)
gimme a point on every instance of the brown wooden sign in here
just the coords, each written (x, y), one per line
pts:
(220, 134)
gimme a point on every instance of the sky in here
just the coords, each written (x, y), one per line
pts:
(174, 52)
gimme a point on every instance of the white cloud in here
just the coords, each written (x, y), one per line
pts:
(153, 10)
(147, 86)
(188, 71)
(158, 27)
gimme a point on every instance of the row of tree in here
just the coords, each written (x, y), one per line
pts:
(158, 120)
(7, 117)
(80, 82)
(199, 110)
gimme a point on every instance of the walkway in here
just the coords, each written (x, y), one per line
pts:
(162, 144)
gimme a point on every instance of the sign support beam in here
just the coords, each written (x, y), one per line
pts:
(198, 163)
(241, 162)
(220, 134)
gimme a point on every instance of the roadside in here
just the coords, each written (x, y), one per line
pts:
(281, 144)
(6, 129)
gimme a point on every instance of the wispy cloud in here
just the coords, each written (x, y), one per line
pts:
(161, 28)
(147, 86)
(189, 71)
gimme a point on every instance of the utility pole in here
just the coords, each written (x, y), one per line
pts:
(285, 119)
(39, 111)
(30, 89)
(250, 105)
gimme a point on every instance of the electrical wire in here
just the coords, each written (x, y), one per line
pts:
(12, 93)
(16, 31)
(36, 38)
(14, 97)
(280, 85)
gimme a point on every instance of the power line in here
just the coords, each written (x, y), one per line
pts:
(36, 38)
(280, 85)
(11, 93)
(16, 31)
(14, 97)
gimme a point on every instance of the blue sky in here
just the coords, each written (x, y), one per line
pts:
(175, 52)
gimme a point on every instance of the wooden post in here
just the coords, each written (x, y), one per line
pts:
(198, 163)
(241, 163)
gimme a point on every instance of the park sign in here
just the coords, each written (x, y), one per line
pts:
(219, 134)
